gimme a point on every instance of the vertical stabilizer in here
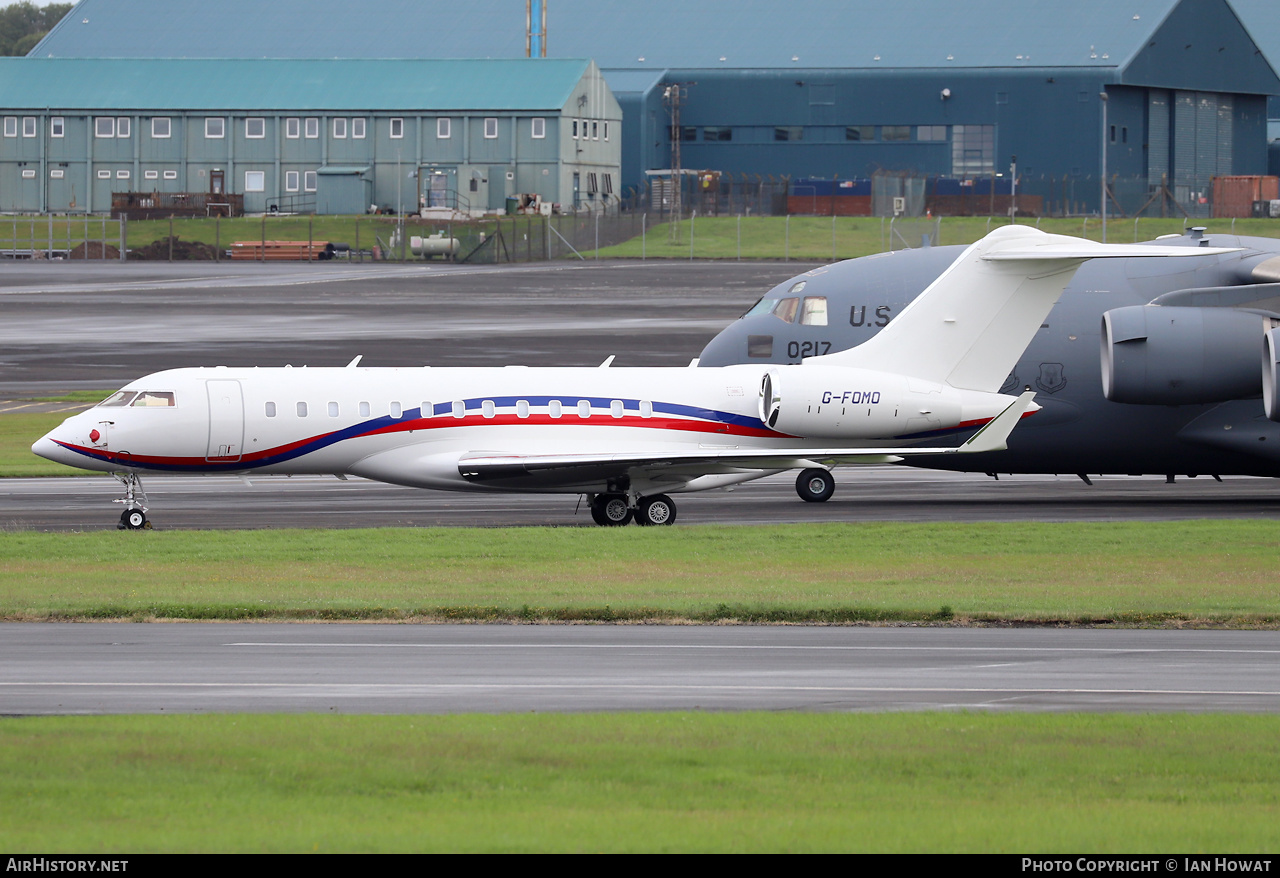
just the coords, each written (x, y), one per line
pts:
(970, 326)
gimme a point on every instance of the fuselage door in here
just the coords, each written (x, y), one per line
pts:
(226, 420)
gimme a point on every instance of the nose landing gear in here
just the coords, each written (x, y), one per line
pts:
(134, 516)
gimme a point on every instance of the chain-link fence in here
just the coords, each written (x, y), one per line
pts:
(50, 237)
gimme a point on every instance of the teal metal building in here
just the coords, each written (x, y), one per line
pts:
(334, 136)
(819, 88)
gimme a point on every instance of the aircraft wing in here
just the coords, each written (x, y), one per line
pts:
(486, 466)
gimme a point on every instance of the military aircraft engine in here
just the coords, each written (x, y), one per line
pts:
(838, 402)
(1169, 355)
(1270, 365)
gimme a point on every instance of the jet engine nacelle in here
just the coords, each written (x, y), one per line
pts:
(1169, 355)
(1271, 373)
(838, 402)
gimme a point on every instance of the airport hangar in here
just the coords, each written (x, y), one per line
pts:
(812, 88)
(333, 136)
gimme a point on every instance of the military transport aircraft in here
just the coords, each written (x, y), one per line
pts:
(1146, 366)
(626, 438)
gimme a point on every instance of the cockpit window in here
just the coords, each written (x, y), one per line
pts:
(814, 311)
(797, 286)
(156, 398)
(763, 306)
(119, 398)
(785, 310)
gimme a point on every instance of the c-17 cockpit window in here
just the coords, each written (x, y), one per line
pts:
(763, 306)
(785, 310)
(814, 311)
(153, 399)
(797, 286)
(118, 399)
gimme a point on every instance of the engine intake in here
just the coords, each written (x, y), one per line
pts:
(1163, 355)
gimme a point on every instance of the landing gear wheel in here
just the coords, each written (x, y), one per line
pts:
(655, 510)
(134, 519)
(610, 510)
(815, 485)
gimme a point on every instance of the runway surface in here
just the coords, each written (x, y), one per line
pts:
(882, 493)
(186, 668)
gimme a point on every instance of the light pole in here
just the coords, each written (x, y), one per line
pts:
(1103, 95)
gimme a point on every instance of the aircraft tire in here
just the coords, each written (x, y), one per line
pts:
(610, 510)
(815, 485)
(656, 510)
(133, 519)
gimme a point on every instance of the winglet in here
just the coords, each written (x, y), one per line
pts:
(996, 431)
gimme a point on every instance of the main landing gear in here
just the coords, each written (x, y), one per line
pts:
(615, 510)
(815, 485)
(134, 516)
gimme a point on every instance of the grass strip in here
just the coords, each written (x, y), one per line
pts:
(1131, 573)
(745, 782)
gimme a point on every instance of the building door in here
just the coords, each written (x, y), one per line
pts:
(216, 182)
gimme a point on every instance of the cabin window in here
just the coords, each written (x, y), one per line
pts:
(814, 311)
(396, 410)
(615, 408)
(785, 310)
(365, 411)
(118, 399)
(488, 409)
(427, 410)
(153, 399)
(522, 408)
(646, 408)
(553, 408)
(333, 409)
(271, 410)
(584, 408)
(302, 409)
(459, 409)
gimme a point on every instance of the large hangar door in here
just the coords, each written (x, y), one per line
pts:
(1202, 143)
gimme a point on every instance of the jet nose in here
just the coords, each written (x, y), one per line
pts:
(45, 447)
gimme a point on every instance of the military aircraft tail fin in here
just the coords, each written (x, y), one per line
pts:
(970, 326)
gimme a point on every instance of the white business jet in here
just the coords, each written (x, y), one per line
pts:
(625, 438)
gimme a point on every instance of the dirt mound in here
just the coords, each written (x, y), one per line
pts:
(93, 250)
(182, 250)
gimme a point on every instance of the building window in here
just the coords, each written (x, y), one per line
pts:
(28, 126)
(57, 174)
(1113, 134)
(357, 129)
(290, 181)
(255, 181)
(606, 130)
(293, 128)
(860, 132)
(57, 127)
(160, 127)
(102, 127)
(397, 129)
(171, 175)
(442, 129)
(789, 133)
(595, 130)
(716, 135)
(490, 128)
(122, 127)
(122, 175)
(575, 129)
(591, 183)
(973, 150)
(539, 128)
(894, 133)
(309, 181)
(255, 128)
(312, 127)
(104, 175)
(10, 126)
(215, 128)
(151, 175)
(687, 132)
(608, 183)
(28, 173)
(339, 129)
(931, 132)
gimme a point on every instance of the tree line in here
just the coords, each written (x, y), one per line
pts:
(22, 25)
